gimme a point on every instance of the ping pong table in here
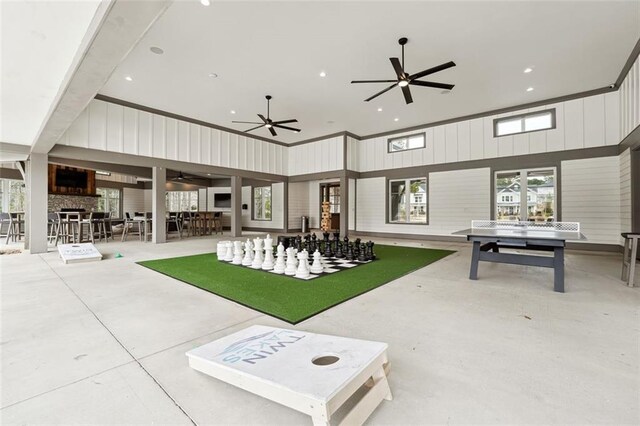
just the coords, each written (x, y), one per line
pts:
(488, 236)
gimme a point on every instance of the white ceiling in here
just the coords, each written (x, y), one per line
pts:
(39, 42)
(279, 48)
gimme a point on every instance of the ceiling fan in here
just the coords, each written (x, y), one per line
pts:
(182, 178)
(269, 123)
(405, 79)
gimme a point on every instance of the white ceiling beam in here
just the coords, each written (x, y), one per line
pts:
(114, 32)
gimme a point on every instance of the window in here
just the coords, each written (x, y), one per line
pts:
(109, 201)
(182, 201)
(405, 143)
(531, 122)
(408, 201)
(532, 191)
(12, 195)
(334, 199)
(262, 203)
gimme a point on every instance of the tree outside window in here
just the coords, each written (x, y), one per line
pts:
(262, 203)
(408, 201)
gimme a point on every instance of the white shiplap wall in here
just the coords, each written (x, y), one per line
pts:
(591, 196)
(115, 128)
(630, 100)
(316, 157)
(298, 203)
(116, 177)
(352, 204)
(625, 191)
(353, 154)
(277, 208)
(136, 200)
(580, 123)
(455, 199)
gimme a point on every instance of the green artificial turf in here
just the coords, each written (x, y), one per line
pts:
(287, 298)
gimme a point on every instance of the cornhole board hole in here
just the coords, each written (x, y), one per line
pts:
(311, 373)
(82, 252)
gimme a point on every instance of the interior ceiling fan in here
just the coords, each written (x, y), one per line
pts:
(269, 123)
(182, 177)
(405, 79)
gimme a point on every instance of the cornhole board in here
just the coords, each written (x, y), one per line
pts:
(311, 373)
(82, 252)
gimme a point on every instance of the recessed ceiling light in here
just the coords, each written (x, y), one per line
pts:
(330, 122)
(323, 74)
(529, 89)
(232, 111)
(528, 70)
(379, 109)
(445, 92)
(213, 75)
(396, 119)
(156, 50)
(128, 78)
(205, 2)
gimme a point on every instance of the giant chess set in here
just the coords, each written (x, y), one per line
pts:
(292, 254)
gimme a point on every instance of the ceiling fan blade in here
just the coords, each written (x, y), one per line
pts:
(397, 67)
(273, 132)
(253, 128)
(432, 84)
(286, 127)
(381, 92)
(262, 118)
(407, 95)
(286, 121)
(373, 81)
(246, 122)
(432, 70)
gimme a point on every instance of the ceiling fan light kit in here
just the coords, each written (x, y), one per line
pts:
(269, 123)
(404, 79)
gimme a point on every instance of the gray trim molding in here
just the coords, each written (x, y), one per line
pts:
(10, 174)
(71, 152)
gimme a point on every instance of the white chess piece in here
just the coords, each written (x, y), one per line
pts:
(316, 268)
(228, 256)
(237, 253)
(258, 256)
(221, 250)
(303, 268)
(248, 253)
(291, 262)
(280, 265)
(267, 264)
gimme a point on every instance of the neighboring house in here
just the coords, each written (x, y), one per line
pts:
(418, 201)
(539, 197)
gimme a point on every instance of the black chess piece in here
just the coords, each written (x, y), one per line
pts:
(328, 252)
(346, 241)
(325, 236)
(335, 241)
(339, 254)
(349, 250)
(298, 244)
(372, 255)
(314, 243)
(307, 243)
(362, 256)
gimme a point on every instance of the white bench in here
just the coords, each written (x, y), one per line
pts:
(312, 373)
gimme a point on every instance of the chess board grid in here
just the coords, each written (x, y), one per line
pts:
(330, 265)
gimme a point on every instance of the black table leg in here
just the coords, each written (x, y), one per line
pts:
(475, 259)
(558, 269)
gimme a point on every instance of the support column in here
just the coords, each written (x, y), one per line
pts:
(37, 203)
(344, 205)
(285, 207)
(236, 206)
(158, 205)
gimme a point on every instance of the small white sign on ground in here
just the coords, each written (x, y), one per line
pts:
(312, 373)
(81, 252)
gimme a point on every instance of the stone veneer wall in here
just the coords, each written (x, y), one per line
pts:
(58, 202)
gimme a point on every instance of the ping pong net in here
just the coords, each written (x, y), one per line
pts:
(526, 225)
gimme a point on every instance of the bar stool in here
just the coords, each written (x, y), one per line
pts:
(629, 256)
(6, 226)
(128, 227)
(89, 222)
(52, 225)
(217, 222)
(65, 228)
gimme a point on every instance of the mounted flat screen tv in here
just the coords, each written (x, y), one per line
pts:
(71, 178)
(222, 201)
